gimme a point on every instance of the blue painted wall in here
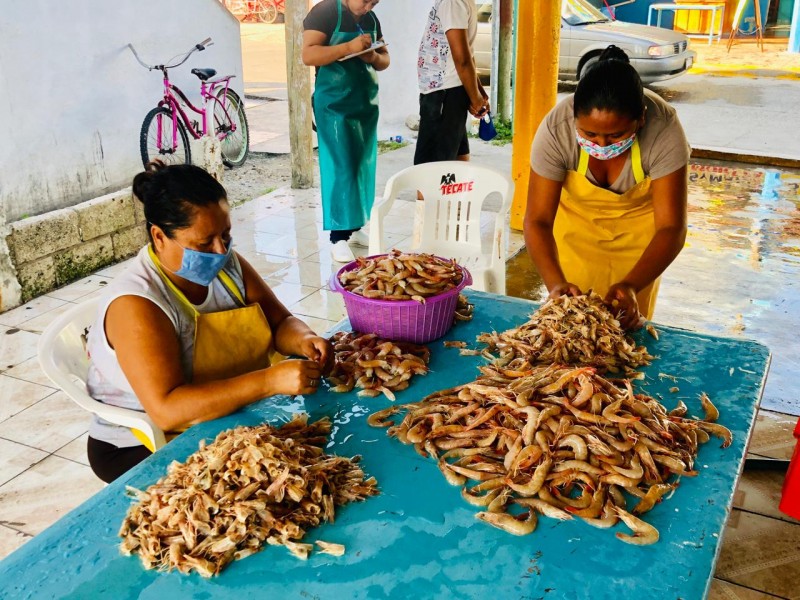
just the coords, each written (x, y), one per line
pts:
(637, 12)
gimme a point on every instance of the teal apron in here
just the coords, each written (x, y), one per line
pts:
(346, 113)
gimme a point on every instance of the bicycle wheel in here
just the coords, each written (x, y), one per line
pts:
(230, 127)
(266, 11)
(155, 139)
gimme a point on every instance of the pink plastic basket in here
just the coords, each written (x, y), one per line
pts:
(401, 320)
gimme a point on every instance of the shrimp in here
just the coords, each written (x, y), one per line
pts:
(712, 414)
(634, 472)
(653, 495)
(717, 430)
(521, 525)
(577, 444)
(536, 481)
(644, 534)
(479, 499)
(611, 412)
(609, 518)
(545, 508)
(680, 410)
(378, 419)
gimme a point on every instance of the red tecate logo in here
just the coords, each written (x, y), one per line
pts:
(450, 186)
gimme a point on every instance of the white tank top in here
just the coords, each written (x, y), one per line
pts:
(106, 382)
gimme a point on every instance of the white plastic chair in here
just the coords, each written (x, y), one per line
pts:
(63, 358)
(454, 192)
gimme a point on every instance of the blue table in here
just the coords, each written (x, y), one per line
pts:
(419, 538)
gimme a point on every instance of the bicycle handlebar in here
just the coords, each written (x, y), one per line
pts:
(201, 46)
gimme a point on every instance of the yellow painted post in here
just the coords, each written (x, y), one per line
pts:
(535, 82)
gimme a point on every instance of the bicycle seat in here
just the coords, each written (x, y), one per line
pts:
(204, 74)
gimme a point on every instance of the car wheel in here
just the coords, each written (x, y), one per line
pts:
(587, 64)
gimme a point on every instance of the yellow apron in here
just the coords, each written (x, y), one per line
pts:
(226, 343)
(601, 235)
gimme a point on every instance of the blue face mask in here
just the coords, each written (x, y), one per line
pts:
(203, 267)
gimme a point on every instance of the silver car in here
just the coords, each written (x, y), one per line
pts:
(656, 53)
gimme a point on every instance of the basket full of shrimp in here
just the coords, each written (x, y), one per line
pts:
(401, 296)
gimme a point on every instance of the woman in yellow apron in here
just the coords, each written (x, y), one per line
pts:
(190, 332)
(607, 200)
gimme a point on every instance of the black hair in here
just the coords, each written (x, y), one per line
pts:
(171, 193)
(610, 84)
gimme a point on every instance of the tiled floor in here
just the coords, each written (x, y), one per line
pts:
(43, 469)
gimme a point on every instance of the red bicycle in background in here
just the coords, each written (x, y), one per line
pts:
(262, 11)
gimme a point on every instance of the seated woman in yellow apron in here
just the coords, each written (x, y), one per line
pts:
(607, 199)
(189, 332)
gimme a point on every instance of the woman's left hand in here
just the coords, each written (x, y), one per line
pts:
(369, 57)
(317, 348)
(621, 297)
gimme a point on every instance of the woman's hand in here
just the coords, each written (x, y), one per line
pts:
(359, 43)
(294, 376)
(369, 57)
(560, 289)
(621, 297)
(318, 349)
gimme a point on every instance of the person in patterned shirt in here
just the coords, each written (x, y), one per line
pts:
(448, 82)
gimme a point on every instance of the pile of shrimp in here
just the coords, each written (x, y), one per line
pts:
(375, 365)
(401, 276)
(576, 330)
(252, 485)
(562, 442)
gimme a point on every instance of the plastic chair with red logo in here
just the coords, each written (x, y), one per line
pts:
(448, 221)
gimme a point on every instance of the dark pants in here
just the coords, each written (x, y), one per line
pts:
(109, 462)
(337, 235)
(442, 125)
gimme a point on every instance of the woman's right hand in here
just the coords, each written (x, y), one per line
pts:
(359, 43)
(294, 376)
(560, 289)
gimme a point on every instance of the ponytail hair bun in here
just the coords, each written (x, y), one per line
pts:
(613, 52)
(610, 84)
(172, 193)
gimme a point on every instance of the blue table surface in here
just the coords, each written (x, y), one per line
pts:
(419, 538)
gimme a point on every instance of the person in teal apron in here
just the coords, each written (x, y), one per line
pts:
(346, 113)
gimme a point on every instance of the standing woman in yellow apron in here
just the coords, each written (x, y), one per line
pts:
(346, 113)
(189, 332)
(607, 200)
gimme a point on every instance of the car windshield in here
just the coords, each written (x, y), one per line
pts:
(574, 12)
(580, 12)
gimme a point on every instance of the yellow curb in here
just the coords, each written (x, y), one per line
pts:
(752, 71)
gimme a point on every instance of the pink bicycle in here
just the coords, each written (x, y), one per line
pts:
(166, 128)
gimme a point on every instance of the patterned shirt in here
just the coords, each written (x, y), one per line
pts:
(435, 67)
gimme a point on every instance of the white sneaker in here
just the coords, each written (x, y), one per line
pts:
(341, 252)
(360, 238)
